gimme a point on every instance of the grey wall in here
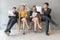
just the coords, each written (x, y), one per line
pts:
(6, 5)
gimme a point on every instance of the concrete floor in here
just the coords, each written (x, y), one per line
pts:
(54, 35)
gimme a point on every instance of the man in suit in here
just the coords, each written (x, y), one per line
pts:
(13, 17)
(47, 17)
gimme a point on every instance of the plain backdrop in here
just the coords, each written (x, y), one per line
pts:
(6, 5)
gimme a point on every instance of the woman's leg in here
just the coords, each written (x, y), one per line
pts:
(38, 23)
(23, 25)
(26, 23)
(34, 24)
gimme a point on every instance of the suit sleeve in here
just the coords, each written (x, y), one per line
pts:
(50, 11)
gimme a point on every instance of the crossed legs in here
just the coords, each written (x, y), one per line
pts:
(35, 20)
(24, 21)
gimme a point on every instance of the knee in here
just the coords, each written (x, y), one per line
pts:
(34, 21)
(23, 19)
(36, 18)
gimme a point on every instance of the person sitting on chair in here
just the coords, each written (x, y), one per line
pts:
(23, 16)
(13, 17)
(47, 17)
(34, 18)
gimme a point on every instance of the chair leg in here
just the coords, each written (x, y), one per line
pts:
(18, 27)
(49, 28)
(41, 26)
(30, 25)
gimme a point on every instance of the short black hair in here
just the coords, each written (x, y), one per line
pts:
(14, 7)
(34, 5)
(46, 3)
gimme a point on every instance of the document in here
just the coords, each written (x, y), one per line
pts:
(39, 8)
(10, 12)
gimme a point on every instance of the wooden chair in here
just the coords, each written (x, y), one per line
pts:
(41, 23)
(18, 27)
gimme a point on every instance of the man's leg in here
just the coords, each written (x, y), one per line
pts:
(50, 20)
(11, 24)
(47, 27)
(9, 20)
(13, 21)
(8, 24)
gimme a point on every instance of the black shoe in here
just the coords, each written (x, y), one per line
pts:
(35, 31)
(23, 33)
(47, 34)
(40, 30)
(56, 25)
(7, 33)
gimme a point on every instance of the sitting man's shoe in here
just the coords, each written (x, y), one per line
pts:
(56, 25)
(47, 34)
(23, 33)
(7, 33)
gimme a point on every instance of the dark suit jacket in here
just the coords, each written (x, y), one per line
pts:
(47, 12)
(30, 14)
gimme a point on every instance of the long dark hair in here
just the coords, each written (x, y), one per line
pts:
(35, 8)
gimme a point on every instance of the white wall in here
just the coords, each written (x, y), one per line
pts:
(5, 5)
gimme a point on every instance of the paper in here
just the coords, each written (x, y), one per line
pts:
(10, 12)
(39, 8)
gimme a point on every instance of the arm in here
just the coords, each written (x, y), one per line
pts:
(27, 8)
(30, 14)
(49, 11)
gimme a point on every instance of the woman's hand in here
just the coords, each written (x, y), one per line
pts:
(30, 16)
